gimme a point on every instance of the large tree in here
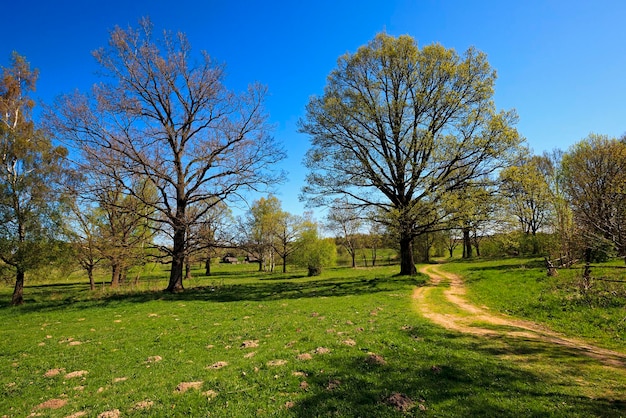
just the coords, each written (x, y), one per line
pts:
(168, 118)
(399, 127)
(30, 170)
(594, 178)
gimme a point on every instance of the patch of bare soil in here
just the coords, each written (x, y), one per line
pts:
(77, 414)
(52, 404)
(218, 365)
(375, 359)
(272, 363)
(115, 413)
(185, 386)
(143, 405)
(250, 344)
(400, 402)
(78, 373)
(53, 372)
(466, 323)
(210, 394)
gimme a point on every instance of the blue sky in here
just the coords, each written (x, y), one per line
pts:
(560, 64)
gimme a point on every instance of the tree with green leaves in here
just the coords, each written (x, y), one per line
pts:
(314, 252)
(399, 127)
(166, 116)
(529, 197)
(31, 169)
(594, 178)
(259, 229)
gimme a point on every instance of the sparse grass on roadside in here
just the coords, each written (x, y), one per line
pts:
(242, 343)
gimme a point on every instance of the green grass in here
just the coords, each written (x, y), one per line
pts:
(521, 287)
(349, 313)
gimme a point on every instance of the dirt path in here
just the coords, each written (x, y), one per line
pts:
(479, 321)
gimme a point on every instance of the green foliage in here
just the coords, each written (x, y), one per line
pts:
(594, 178)
(528, 194)
(399, 128)
(518, 243)
(30, 202)
(314, 252)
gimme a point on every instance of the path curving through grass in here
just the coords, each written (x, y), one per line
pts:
(443, 302)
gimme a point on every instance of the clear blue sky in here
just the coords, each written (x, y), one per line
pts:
(561, 64)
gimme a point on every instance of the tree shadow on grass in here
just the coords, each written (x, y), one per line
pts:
(466, 378)
(290, 287)
(503, 265)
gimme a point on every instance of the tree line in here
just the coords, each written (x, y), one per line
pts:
(406, 144)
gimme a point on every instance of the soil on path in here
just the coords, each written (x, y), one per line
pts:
(471, 319)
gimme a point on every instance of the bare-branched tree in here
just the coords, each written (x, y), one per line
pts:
(169, 119)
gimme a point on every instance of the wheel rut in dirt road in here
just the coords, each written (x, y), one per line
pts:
(464, 317)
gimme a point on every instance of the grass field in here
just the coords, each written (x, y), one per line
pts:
(521, 287)
(242, 343)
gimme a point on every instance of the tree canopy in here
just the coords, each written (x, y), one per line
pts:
(399, 127)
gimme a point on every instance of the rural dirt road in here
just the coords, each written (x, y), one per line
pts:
(467, 318)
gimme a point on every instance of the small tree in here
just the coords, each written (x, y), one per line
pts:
(345, 223)
(529, 198)
(30, 171)
(288, 231)
(314, 252)
(213, 232)
(258, 231)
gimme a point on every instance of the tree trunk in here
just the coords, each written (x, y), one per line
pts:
(314, 271)
(407, 264)
(207, 266)
(115, 275)
(92, 283)
(353, 255)
(467, 244)
(178, 261)
(187, 269)
(476, 244)
(18, 292)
